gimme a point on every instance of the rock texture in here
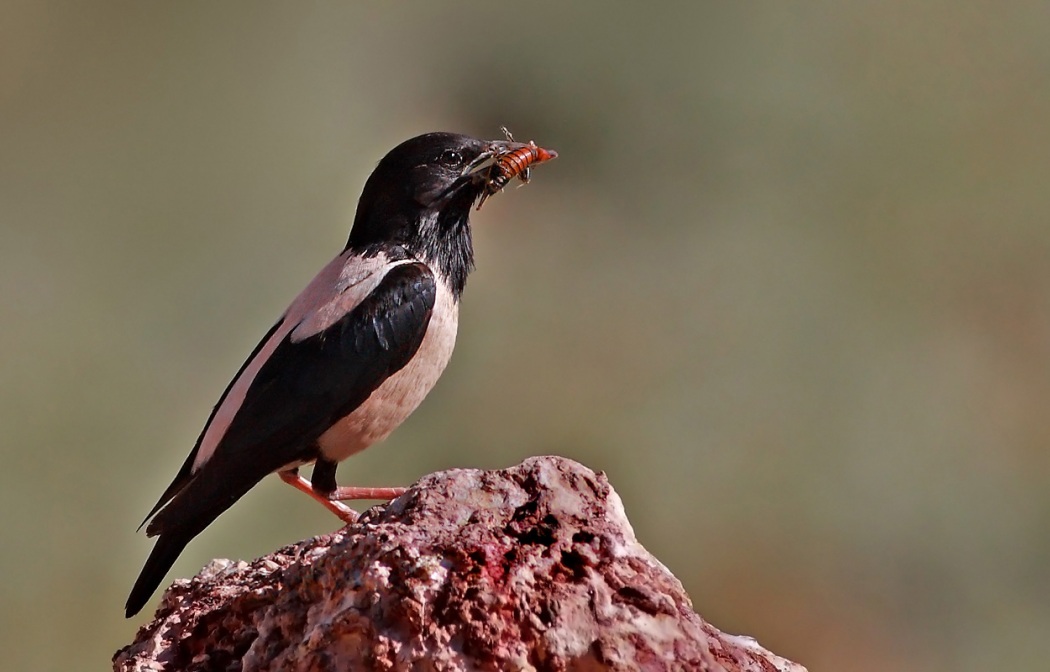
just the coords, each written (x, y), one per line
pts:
(529, 568)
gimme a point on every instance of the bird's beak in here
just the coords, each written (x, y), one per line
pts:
(481, 162)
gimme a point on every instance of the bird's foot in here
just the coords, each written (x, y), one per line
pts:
(333, 500)
(344, 512)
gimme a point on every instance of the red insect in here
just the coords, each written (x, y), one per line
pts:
(514, 163)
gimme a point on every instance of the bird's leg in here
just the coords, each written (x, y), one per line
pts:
(349, 494)
(292, 478)
(324, 490)
(324, 485)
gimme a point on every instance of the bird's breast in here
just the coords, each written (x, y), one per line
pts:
(400, 394)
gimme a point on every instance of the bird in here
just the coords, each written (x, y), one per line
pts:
(356, 351)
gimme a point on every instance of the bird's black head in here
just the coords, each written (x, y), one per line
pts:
(420, 196)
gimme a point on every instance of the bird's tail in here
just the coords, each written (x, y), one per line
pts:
(163, 556)
(203, 500)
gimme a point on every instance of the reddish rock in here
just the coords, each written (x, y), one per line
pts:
(529, 568)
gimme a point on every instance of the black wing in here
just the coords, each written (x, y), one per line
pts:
(301, 390)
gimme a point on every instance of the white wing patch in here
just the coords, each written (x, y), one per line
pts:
(339, 288)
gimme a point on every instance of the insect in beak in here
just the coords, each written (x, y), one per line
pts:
(511, 160)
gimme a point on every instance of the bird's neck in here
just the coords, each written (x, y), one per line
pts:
(442, 240)
(445, 244)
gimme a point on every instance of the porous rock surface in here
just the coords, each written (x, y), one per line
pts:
(529, 568)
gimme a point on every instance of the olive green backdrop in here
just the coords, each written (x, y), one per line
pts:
(788, 284)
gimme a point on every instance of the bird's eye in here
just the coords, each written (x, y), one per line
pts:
(451, 157)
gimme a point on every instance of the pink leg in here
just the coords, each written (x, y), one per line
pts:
(352, 493)
(292, 478)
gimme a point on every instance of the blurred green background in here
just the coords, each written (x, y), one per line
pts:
(788, 285)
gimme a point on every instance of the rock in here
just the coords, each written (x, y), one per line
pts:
(529, 568)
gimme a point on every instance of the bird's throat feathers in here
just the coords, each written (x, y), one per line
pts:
(446, 246)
